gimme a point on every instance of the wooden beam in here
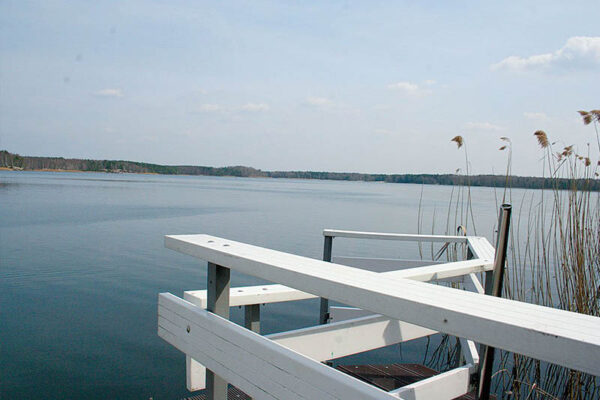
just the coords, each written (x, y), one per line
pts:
(256, 365)
(394, 236)
(381, 264)
(481, 247)
(445, 386)
(556, 336)
(340, 339)
(218, 285)
(264, 294)
(442, 271)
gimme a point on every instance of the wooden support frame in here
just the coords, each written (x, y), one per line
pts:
(264, 294)
(394, 236)
(256, 365)
(340, 339)
(551, 335)
(445, 386)
(218, 285)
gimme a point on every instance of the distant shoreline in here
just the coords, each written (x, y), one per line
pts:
(16, 162)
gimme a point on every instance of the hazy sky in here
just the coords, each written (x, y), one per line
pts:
(363, 86)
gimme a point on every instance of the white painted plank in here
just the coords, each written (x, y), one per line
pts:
(481, 247)
(247, 295)
(472, 283)
(256, 365)
(469, 351)
(394, 236)
(335, 340)
(445, 386)
(338, 314)
(381, 264)
(340, 339)
(442, 271)
(557, 336)
(263, 294)
(195, 375)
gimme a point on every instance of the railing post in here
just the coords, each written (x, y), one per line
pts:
(493, 287)
(252, 317)
(324, 310)
(218, 284)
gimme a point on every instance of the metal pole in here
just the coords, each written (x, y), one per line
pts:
(218, 283)
(324, 311)
(494, 288)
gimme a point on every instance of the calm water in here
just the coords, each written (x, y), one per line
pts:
(82, 261)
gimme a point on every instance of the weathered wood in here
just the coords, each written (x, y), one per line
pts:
(256, 365)
(394, 236)
(562, 337)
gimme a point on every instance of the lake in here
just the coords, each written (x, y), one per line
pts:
(82, 260)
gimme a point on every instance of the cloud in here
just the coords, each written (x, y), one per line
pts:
(319, 101)
(210, 108)
(255, 107)
(430, 82)
(482, 126)
(579, 52)
(408, 88)
(538, 116)
(109, 93)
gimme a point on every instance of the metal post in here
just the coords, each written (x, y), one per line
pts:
(252, 317)
(324, 311)
(217, 302)
(493, 287)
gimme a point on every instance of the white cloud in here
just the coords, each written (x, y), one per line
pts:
(482, 126)
(408, 88)
(430, 82)
(255, 107)
(210, 108)
(578, 52)
(319, 101)
(109, 93)
(538, 116)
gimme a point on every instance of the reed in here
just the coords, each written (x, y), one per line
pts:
(553, 260)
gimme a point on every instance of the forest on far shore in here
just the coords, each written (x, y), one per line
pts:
(18, 162)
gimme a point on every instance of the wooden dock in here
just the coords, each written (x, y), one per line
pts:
(386, 377)
(388, 302)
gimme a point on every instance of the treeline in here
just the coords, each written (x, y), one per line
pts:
(15, 161)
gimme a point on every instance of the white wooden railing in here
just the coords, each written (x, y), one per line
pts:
(389, 305)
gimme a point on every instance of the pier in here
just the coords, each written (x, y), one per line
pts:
(388, 301)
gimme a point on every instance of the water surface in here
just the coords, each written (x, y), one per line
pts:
(82, 260)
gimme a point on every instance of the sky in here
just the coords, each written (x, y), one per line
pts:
(355, 86)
